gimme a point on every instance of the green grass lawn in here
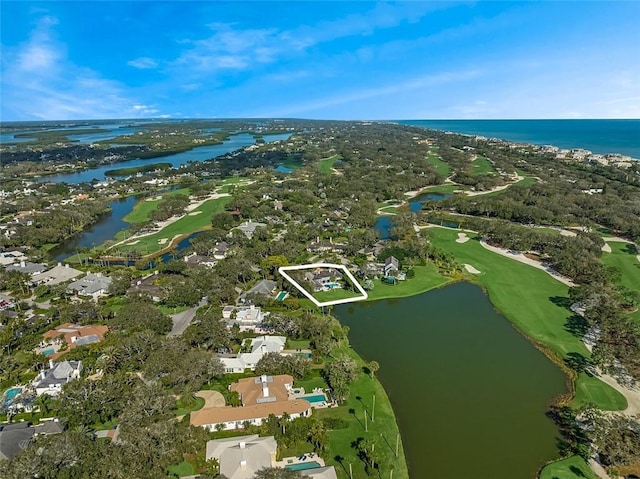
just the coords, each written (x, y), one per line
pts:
(526, 296)
(571, 468)
(326, 164)
(146, 206)
(184, 226)
(383, 431)
(183, 469)
(426, 278)
(481, 166)
(440, 166)
(298, 344)
(623, 257)
(186, 410)
(335, 294)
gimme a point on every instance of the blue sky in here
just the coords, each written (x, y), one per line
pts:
(339, 60)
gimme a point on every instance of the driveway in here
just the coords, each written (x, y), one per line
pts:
(183, 319)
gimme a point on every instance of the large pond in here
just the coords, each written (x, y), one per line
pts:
(469, 392)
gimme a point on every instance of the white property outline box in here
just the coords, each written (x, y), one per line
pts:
(283, 269)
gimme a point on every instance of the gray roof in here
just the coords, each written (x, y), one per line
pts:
(58, 274)
(90, 284)
(60, 374)
(241, 457)
(249, 227)
(27, 267)
(14, 438)
(265, 286)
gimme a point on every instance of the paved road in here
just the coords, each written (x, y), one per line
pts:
(183, 319)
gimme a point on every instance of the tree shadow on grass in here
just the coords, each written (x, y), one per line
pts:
(353, 411)
(577, 471)
(579, 363)
(631, 249)
(577, 325)
(561, 301)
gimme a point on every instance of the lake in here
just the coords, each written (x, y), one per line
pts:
(199, 153)
(469, 391)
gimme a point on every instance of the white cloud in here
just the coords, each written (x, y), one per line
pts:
(40, 82)
(143, 63)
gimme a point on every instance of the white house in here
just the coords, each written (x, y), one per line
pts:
(50, 381)
(242, 456)
(259, 347)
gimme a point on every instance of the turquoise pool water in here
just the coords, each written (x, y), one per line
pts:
(281, 295)
(303, 465)
(315, 398)
(11, 394)
(332, 285)
(48, 351)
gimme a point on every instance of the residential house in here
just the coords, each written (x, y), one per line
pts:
(50, 381)
(391, 266)
(327, 472)
(249, 228)
(27, 267)
(261, 397)
(242, 456)
(324, 279)
(247, 317)
(94, 285)
(56, 275)
(221, 250)
(148, 285)
(265, 287)
(259, 347)
(72, 335)
(10, 257)
(195, 259)
(14, 438)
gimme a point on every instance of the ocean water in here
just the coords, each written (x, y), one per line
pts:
(598, 136)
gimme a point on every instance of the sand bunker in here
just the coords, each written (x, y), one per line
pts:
(471, 269)
(606, 248)
(194, 213)
(163, 240)
(462, 238)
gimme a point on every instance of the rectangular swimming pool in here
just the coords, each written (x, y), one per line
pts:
(315, 398)
(303, 465)
(48, 351)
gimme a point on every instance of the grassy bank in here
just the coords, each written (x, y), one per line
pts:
(383, 431)
(145, 207)
(426, 278)
(570, 468)
(623, 257)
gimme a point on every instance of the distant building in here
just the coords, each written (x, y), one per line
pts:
(27, 267)
(72, 335)
(56, 275)
(249, 228)
(14, 438)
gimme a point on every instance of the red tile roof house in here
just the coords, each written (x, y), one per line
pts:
(261, 397)
(73, 335)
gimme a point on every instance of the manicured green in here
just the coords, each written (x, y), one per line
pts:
(145, 207)
(570, 468)
(525, 296)
(326, 164)
(298, 344)
(440, 166)
(183, 227)
(426, 278)
(481, 166)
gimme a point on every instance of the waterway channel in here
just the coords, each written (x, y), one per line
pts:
(107, 227)
(469, 391)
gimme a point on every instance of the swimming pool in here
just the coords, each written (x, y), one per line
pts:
(281, 295)
(303, 465)
(48, 351)
(332, 285)
(10, 395)
(315, 398)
